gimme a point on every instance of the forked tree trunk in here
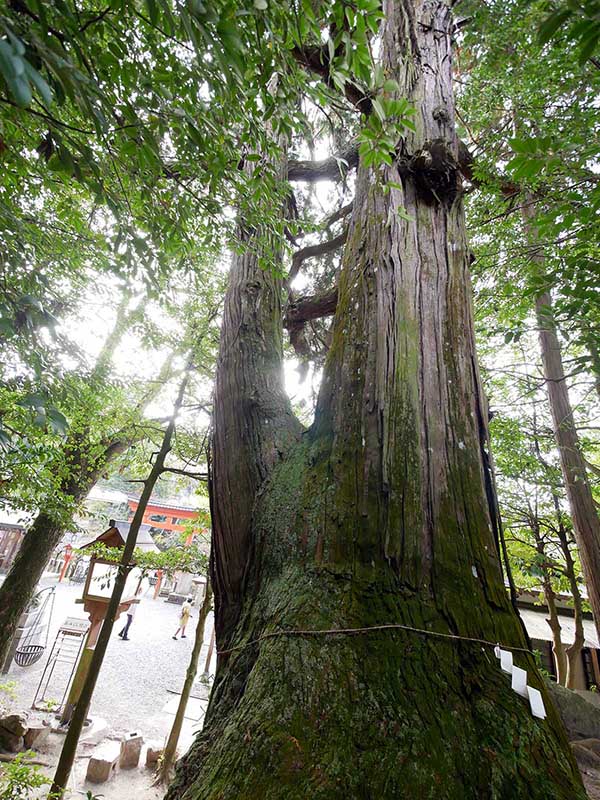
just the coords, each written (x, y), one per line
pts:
(558, 647)
(377, 515)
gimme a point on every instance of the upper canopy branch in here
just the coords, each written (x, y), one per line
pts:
(317, 60)
(327, 169)
(307, 307)
(313, 250)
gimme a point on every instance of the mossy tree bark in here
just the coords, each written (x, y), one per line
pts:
(377, 514)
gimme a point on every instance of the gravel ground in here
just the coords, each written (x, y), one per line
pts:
(132, 689)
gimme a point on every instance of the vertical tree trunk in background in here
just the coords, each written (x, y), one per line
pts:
(586, 523)
(592, 346)
(573, 651)
(167, 760)
(558, 647)
(377, 515)
(253, 423)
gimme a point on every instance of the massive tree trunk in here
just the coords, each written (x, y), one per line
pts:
(44, 534)
(377, 515)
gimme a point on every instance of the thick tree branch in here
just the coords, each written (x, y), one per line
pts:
(341, 213)
(327, 169)
(303, 310)
(316, 59)
(307, 307)
(313, 250)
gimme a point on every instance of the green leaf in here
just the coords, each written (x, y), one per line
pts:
(552, 23)
(39, 83)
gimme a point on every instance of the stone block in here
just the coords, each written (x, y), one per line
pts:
(590, 744)
(36, 736)
(15, 723)
(131, 748)
(585, 758)
(153, 753)
(12, 730)
(104, 762)
(579, 716)
(10, 742)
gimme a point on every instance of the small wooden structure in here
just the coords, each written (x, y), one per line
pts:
(97, 590)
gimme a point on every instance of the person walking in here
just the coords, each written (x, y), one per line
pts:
(184, 618)
(130, 615)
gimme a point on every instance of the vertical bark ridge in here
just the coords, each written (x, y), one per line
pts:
(253, 421)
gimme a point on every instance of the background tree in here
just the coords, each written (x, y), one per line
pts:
(533, 140)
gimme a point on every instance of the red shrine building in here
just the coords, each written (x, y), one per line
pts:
(166, 518)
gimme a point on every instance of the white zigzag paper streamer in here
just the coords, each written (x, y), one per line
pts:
(519, 682)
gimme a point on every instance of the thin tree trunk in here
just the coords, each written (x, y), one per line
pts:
(211, 646)
(573, 651)
(586, 523)
(592, 347)
(167, 761)
(558, 647)
(378, 515)
(69, 749)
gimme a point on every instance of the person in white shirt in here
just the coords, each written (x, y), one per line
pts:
(130, 615)
(184, 617)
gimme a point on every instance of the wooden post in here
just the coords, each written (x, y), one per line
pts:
(206, 671)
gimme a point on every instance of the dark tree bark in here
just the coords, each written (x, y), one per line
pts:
(253, 424)
(377, 515)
